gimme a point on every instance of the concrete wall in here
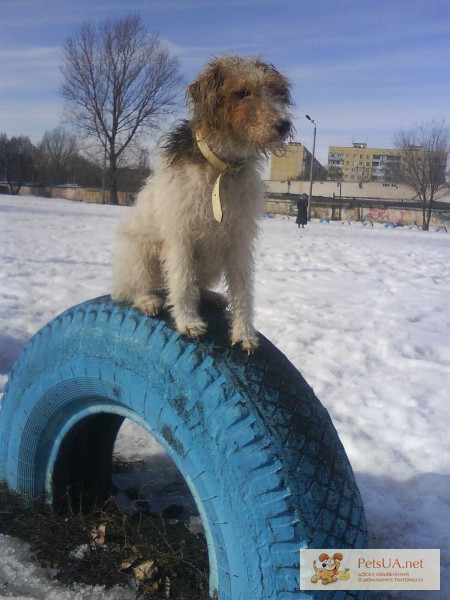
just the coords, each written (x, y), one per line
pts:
(77, 194)
(322, 207)
(387, 191)
(323, 210)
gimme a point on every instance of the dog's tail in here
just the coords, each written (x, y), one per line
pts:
(315, 567)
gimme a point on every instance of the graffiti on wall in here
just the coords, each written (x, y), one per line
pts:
(387, 215)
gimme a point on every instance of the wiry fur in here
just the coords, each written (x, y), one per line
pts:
(170, 249)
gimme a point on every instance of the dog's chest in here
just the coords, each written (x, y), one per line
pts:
(184, 206)
(238, 193)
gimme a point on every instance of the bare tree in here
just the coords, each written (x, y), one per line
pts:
(55, 155)
(3, 150)
(118, 81)
(133, 175)
(85, 172)
(16, 161)
(423, 164)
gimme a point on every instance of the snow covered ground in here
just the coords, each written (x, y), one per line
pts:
(362, 312)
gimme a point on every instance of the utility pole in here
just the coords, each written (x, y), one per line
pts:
(312, 168)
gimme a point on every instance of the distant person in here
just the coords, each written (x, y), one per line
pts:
(302, 211)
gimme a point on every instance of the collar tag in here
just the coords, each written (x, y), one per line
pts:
(222, 166)
(216, 203)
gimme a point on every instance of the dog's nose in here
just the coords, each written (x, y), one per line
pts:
(283, 126)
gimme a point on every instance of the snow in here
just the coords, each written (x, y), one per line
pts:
(22, 578)
(363, 312)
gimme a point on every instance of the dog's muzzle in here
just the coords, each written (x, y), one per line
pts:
(283, 127)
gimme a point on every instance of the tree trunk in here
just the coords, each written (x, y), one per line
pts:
(428, 219)
(14, 190)
(113, 192)
(424, 214)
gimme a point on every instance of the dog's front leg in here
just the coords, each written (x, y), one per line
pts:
(183, 290)
(239, 273)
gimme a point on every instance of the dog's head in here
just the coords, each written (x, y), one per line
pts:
(330, 564)
(244, 100)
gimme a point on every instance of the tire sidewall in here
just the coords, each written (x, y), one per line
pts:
(82, 364)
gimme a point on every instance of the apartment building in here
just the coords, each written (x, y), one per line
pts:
(295, 164)
(359, 163)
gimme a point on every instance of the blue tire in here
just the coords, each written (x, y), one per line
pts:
(257, 449)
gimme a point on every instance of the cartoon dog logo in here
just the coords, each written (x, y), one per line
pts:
(329, 570)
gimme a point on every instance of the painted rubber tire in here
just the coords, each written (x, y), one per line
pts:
(257, 449)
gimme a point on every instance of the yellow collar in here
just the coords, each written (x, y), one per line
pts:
(213, 159)
(221, 166)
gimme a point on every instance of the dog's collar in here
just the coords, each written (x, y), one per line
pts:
(221, 166)
(213, 159)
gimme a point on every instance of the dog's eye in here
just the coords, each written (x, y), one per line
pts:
(282, 93)
(241, 94)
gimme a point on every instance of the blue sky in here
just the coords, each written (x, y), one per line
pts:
(361, 68)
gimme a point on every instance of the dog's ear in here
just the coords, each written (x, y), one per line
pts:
(338, 556)
(206, 88)
(323, 557)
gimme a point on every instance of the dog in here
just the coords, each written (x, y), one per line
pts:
(195, 221)
(329, 571)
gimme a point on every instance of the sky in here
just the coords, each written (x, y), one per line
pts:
(361, 69)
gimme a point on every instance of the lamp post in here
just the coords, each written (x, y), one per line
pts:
(312, 168)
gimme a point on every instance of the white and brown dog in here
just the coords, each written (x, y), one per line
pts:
(195, 221)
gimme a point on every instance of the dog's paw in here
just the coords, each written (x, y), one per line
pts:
(193, 329)
(248, 343)
(244, 335)
(149, 305)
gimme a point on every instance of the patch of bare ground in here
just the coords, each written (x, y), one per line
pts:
(156, 554)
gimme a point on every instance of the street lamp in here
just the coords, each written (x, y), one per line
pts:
(312, 167)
